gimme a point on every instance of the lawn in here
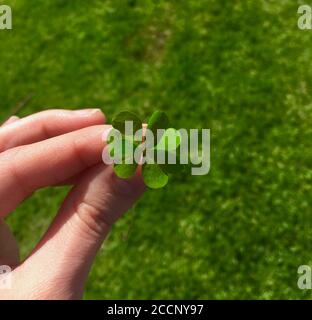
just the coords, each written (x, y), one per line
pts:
(242, 69)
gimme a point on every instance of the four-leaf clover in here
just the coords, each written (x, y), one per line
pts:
(166, 139)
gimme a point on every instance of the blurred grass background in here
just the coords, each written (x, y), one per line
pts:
(241, 68)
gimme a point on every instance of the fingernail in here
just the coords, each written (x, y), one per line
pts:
(131, 186)
(87, 112)
(105, 134)
(12, 119)
(124, 186)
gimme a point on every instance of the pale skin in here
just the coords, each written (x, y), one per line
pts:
(51, 148)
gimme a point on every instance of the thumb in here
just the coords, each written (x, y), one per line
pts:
(64, 256)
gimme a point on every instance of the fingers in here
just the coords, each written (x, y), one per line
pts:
(66, 252)
(25, 169)
(46, 124)
(10, 120)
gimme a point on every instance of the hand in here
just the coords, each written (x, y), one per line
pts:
(59, 147)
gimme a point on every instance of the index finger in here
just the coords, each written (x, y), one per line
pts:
(25, 169)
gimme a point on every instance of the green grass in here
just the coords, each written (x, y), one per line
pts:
(242, 69)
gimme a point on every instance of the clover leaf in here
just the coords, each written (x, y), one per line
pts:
(170, 140)
(120, 119)
(154, 175)
(158, 120)
(125, 171)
